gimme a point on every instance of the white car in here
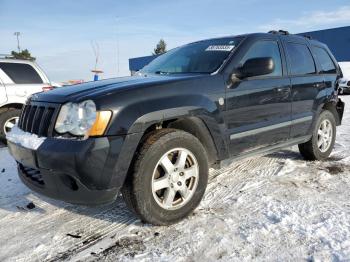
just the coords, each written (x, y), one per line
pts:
(344, 83)
(18, 80)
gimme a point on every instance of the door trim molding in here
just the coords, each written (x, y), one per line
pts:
(268, 128)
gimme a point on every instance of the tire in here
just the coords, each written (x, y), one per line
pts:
(5, 116)
(150, 167)
(311, 149)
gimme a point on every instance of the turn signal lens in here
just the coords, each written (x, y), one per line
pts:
(101, 123)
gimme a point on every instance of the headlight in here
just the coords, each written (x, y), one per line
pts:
(76, 119)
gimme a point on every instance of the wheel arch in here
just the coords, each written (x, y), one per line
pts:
(336, 108)
(212, 141)
(11, 105)
(196, 127)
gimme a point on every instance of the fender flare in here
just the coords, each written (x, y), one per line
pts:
(140, 126)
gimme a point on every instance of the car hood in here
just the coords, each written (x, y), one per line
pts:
(89, 90)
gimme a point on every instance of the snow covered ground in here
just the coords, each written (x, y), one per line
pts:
(277, 207)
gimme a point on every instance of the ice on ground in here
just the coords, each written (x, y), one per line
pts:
(276, 207)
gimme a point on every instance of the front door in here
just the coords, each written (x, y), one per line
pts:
(258, 109)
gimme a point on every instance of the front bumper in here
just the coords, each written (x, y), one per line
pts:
(82, 172)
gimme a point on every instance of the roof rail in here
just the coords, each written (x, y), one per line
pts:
(279, 32)
(308, 36)
(6, 56)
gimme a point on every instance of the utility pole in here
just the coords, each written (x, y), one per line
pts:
(17, 34)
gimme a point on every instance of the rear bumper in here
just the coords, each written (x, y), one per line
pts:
(82, 172)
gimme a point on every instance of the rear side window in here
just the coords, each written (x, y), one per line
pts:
(21, 73)
(300, 58)
(325, 60)
(266, 48)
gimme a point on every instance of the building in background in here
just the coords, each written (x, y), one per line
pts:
(337, 39)
(135, 64)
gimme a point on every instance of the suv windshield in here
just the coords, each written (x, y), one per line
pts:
(199, 57)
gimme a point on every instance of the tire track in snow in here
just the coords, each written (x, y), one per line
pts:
(40, 234)
(239, 169)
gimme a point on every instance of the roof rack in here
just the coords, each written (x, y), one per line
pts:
(6, 56)
(279, 32)
(308, 36)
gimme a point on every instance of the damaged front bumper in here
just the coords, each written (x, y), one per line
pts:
(81, 172)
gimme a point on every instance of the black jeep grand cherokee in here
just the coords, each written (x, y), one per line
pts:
(153, 136)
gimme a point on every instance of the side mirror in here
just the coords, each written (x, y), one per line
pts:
(348, 84)
(256, 67)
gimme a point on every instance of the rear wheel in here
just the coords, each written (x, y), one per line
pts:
(169, 177)
(321, 144)
(8, 119)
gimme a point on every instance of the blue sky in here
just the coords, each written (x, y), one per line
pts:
(59, 33)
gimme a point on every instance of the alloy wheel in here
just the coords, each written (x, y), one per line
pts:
(324, 135)
(175, 179)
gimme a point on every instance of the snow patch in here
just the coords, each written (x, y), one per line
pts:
(272, 208)
(27, 140)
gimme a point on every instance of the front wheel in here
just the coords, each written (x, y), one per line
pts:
(321, 144)
(169, 177)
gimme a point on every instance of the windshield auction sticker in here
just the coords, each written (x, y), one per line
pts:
(225, 48)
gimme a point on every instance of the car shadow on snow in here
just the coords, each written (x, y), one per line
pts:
(286, 154)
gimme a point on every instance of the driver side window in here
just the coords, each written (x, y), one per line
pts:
(265, 48)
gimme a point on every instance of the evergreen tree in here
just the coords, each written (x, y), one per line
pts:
(160, 48)
(24, 54)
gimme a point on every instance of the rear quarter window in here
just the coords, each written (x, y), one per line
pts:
(301, 61)
(325, 61)
(21, 73)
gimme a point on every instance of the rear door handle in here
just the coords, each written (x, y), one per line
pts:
(320, 85)
(282, 89)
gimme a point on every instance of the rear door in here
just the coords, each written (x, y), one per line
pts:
(327, 66)
(306, 85)
(258, 109)
(23, 80)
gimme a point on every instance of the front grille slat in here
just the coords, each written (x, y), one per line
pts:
(42, 130)
(38, 118)
(45, 122)
(30, 118)
(35, 116)
(24, 116)
(21, 116)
